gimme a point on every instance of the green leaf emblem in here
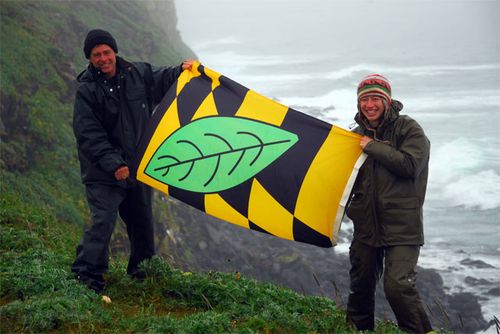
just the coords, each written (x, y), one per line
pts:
(212, 154)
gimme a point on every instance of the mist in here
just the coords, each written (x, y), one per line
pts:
(430, 31)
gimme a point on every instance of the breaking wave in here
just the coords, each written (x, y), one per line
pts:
(461, 173)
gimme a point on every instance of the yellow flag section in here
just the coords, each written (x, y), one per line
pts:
(329, 180)
(166, 126)
(251, 161)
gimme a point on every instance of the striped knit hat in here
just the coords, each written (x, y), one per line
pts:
(375, 84)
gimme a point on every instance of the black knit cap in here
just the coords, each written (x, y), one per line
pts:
(96, 37)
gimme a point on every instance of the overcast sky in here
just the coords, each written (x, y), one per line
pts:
(468, 28)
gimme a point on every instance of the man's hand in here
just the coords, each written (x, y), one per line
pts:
(122, 173)
(187, 64)
(364, 141)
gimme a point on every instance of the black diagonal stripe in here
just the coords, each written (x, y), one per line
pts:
(159, 112)
(194, 199)
(165, 102)
(229, 96)
(191, 96)
(238, 197)
(284, 177)
(303, 233)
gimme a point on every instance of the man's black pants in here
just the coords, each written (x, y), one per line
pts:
(105, 202)
(367, 266)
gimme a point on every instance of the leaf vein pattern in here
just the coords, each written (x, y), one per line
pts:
(260, 146)
(167, 167)
(258, 139)
(214, 173)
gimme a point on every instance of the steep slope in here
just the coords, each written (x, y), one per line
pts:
(41, 54)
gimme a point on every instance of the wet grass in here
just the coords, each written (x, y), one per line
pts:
(39, 295)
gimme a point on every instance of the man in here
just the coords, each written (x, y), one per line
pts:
(113, 104)
(386, 209)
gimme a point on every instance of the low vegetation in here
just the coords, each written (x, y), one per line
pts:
(39, 294)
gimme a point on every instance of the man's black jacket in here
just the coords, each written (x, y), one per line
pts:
(110, 115)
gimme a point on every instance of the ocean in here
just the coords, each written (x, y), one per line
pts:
(443, 60)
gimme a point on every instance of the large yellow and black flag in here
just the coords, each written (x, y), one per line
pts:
(241, 157)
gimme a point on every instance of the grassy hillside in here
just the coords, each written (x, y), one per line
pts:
(41, 54)
(42, 208)
(38, 293)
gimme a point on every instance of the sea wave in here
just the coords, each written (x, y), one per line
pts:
(344, 101)
(479, 192)
(203, 46)
(340, 99)
(454, 158)
(431, 104)
(461, 172)
(264, 73)
(451, 100)
(414, 71)
(226, 61)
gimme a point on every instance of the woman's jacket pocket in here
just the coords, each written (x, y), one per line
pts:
(358, 208)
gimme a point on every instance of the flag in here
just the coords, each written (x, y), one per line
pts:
(251, 161)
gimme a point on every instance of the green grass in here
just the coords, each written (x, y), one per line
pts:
(38, 293)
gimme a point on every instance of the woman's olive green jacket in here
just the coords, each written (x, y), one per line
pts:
(389, 192)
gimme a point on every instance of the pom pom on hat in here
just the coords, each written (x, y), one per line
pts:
(375, 84)
(96, 37)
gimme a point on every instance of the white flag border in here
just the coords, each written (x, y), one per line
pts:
(345, 197)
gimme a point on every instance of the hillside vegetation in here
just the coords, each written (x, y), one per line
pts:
(42, 208)
(38, 293)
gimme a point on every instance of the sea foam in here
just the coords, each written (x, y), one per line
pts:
(459, 172)
(480, 191)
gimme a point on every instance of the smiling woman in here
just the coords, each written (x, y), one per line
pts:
(374, 98)
(373, 108)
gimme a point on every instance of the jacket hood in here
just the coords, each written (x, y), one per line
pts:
(390, 116)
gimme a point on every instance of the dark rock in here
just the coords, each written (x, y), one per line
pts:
(472, 281)
(494, 292)
(476, 263)
(467, 310)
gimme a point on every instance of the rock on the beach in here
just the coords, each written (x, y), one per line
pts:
(475, 263)
(494, 292)
(468, 310)
(472, 281)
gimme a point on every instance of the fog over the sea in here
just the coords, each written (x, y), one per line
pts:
(423, 31)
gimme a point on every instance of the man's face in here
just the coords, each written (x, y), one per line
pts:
(103, 57)
(372, 107)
